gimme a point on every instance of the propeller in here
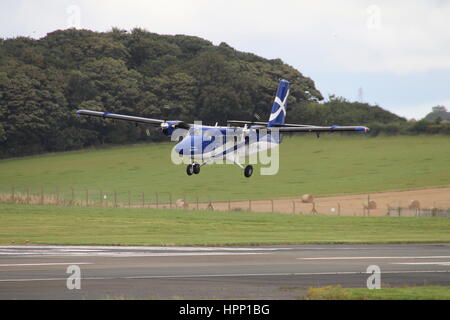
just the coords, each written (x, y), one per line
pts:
(164, 126)
(167, 127)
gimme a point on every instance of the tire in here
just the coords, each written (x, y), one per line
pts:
(248, 171)
(190, 169)
(196, 168)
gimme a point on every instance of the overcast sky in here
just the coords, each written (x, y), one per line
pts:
(398, 52)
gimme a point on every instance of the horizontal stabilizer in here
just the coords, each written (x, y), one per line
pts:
(249, 123)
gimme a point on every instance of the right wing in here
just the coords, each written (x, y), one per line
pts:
(119, 117)
(115, 116)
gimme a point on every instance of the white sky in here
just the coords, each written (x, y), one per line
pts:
(398, 52)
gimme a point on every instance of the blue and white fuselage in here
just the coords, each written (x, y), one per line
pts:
(207, 143)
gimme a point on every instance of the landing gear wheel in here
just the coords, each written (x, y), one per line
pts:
(190, 169)
(248, 171)
(196, 168)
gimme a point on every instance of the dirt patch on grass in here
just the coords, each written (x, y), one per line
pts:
(373, 204)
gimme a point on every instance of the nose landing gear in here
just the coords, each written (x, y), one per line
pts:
(190, 169)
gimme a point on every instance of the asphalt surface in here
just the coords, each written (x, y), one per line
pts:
(275, 272)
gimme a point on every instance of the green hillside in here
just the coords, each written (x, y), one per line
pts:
(43, 82)
(333, 164)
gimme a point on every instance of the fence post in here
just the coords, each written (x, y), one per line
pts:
(87, 198)
(157, 200)
(271, 200)
(293, 206)
(28, 195)
(314, 211)
(170, 200)
(73, 196)
(229, 205)
(250, 205)
(197, 203)
(12, 194)
(339, 209)
(42, 195)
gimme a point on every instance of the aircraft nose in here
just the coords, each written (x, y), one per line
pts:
(179, 149)
(190, 145)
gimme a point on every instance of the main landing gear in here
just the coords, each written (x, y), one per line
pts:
(248, 171)
(193, 169)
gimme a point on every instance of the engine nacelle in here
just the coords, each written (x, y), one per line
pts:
(169, 127)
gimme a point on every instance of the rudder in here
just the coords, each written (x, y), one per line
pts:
(278, 113)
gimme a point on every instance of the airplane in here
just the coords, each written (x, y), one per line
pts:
(203, 144)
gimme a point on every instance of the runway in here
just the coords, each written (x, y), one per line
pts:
(273, 272)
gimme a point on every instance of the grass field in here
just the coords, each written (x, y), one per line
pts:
(406, 293)
(330, 165)
(22, 224)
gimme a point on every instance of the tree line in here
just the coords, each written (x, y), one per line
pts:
(43, 82)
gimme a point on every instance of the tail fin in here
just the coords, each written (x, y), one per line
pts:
(279, 105)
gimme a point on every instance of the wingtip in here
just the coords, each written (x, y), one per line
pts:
(365, 129)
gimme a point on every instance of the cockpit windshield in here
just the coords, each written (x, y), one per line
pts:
(195, 131)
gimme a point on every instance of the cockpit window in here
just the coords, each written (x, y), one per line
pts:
(193, 131)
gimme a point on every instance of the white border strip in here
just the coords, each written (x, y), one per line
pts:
(228, 275)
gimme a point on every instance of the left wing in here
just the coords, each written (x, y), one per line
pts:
(318, 129)
(291, 127)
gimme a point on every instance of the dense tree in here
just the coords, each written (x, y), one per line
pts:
(339, 111)
(438, 114)
(43, 82)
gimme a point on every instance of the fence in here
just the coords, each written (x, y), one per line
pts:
(394, 204)
(408, 212)
(88, 197)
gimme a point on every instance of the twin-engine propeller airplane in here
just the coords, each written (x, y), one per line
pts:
(209, 143)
